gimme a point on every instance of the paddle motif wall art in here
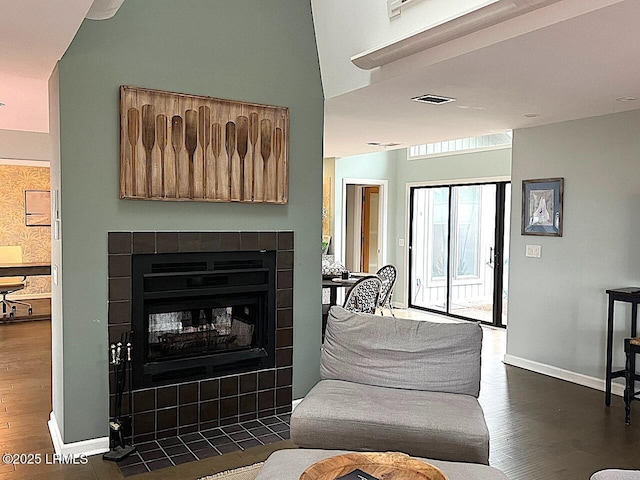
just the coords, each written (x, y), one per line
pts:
(181, 147)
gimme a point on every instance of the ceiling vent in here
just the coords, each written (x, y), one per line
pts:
(433, 99)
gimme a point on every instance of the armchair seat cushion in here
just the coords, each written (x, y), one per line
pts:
(338, 414)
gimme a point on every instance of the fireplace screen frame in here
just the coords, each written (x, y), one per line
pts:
(203, 278)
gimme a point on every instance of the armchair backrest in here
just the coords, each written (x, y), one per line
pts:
(402, 353)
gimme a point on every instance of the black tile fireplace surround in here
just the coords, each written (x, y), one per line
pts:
(249, 390)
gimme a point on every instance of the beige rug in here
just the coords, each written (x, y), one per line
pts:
(243, 473)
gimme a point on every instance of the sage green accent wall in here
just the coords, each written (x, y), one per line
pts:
(557, 303)
(248, 50)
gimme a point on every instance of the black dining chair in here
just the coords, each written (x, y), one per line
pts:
(631, 349)
(363, 296)
(387, 275)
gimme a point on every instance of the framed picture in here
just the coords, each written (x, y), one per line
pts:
(37, 208)
(542, 207)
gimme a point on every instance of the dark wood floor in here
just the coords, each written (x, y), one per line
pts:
(541, 428)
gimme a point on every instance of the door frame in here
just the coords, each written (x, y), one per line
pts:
(341, 252)
(406, 277)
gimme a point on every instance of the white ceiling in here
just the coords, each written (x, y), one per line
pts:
(572, 69)
(34, 36)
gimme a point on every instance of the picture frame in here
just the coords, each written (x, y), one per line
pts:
(37, 208)
(542, 201)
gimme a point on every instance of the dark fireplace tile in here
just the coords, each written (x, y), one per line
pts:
(284, 338)
(284, 377)
(167, 396)
(119, 266)
(284, 357)
(266, 400)
(188, 393)
(251, 425)
(267, 413)
(159, 464)
(146, 437)
(188, 415)
(268, 240)
(148, 456)
(169, 442)
(144, 423)
(209, 425)
(282, 411)
(228, 448)
(187, 429)
(285, 318)
(176, 450)
(237, 436)
(285, 240)
(167, 242)
(192, 437)
(249, 240)
(188, 242)
(212, 433)
(119, 242)
(185, 458)
(167, 434)
(266, 379)
(258, 431)
(248, 382)
(248, 403)
(119, 289)
(167, 418)
(120, 313)
(232, 429)
(229, 241)
(144, 242)
(284, 298)
(144, 400)
(209, 389)
(209, 241)
(229, 386)
(248, 416)
(129, 470)
(269, 438)
(284, 279)
(209, 411)
(228, 407)
(230, 420)
(115, 334)
(245, 444)
(207, 452)
(284, 260)
(284, 396)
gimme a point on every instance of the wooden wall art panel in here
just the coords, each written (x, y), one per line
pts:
(181, 147)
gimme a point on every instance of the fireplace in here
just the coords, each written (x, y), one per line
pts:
(212, 316)
(198, 315)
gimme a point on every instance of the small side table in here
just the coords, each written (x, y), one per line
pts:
(629, 295)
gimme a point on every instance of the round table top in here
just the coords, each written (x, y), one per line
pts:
(387, 466)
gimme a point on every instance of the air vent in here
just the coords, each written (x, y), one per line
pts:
(433, 99)
(385, 145)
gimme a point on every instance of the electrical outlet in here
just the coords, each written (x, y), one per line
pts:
(401, 242)
(533, 251)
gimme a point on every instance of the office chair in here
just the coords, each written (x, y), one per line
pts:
(12, 254)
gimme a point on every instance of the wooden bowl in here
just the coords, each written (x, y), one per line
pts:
(385, 466)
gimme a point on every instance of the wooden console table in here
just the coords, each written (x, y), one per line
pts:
(629, 295)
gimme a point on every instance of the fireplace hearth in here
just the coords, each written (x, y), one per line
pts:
(200, 314)
(216, 329)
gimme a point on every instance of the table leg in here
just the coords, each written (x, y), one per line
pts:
(632, 360)
(607, 394)
(333, 296)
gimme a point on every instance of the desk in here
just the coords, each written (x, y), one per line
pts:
(24, 269)
(629, 295)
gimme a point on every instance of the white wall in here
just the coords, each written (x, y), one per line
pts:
(558, 306)
(17, 145)
(344, 29)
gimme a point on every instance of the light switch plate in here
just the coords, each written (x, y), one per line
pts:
(533, 251)
(54, 272)
(401, 242)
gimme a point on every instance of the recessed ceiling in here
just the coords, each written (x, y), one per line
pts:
(572, 69)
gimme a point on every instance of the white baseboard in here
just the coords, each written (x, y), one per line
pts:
(86, 447)
(562, 374)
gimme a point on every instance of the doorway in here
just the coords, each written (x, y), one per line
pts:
(459, 250)
(364, 225)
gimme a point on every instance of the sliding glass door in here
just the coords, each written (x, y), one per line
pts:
(456, 250)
